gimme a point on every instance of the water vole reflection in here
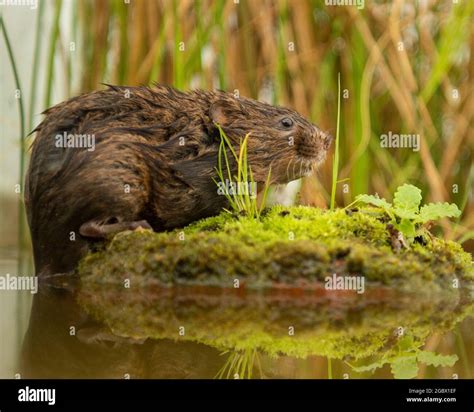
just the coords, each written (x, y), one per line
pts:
(62, 341)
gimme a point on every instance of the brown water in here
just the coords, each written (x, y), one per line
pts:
(137, 335)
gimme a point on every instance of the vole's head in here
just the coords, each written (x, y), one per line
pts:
(279, 137)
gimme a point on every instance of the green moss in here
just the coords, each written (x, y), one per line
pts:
(286, 245)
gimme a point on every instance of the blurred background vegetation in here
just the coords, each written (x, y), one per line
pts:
(405, 67)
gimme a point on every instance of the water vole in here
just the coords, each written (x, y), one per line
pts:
(127, 157)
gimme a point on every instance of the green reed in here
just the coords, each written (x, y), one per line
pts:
(335, 164)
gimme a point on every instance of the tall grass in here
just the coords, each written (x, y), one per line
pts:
(20, 90)
(52, 53)
(243, 197)
(21, 111)
(21, 210)
(35, 68)
(335, 163)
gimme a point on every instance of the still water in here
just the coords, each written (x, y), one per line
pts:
(69, 331)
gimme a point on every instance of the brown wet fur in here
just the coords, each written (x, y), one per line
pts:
(155, 156)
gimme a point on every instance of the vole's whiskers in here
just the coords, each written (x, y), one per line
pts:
(288, 170)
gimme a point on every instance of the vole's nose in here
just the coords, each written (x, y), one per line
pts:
(325, 138)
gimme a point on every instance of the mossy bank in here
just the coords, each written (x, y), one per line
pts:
(287, 247)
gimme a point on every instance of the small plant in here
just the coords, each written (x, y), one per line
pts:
(405, 213)
(243, 194)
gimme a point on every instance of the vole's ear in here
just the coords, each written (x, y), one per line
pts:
(224, 111)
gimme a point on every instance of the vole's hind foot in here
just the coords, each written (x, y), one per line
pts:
(94, 229)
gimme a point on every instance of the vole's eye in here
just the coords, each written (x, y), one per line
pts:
(286, 122)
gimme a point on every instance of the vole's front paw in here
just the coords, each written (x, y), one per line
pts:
(95, 229)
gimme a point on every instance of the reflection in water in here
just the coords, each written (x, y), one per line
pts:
(63, 342)
(106, 331)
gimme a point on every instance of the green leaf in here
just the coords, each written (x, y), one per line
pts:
(407, 227)
(436, 359)
(435, 211)
(406, 214)
(373, 200)
(405, 367)
(406, 343)
(407, 198)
